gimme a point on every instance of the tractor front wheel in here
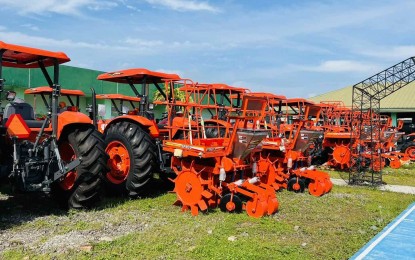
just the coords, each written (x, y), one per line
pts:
(132, 161)
(81, 187)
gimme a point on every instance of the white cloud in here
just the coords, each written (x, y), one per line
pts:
(102, 5)
(143, 43)
(341, 66)
(184, 5)
(31, 26)
(392, 53)
(24, 39)
(68, 7)
(131, 7)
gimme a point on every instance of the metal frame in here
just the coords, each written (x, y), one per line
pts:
(366, 98)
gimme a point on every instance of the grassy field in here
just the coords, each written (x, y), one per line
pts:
(334, 226)
(402, 176)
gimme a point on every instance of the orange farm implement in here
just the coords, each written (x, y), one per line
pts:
(285, 158)
(216, 171)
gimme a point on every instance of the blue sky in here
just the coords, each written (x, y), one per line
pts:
(294, 48)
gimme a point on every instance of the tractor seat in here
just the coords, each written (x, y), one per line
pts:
(162, 123)
(23, 109)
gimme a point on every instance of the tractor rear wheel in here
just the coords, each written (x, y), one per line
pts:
(132, 161)
(214, 130)
(81, 187)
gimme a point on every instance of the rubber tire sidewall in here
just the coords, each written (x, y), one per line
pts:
(134, 188)
(86, 191)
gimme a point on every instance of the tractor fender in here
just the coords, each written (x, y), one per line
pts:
(179, 122)
(218, 122)
(67, 118)
(145, 123)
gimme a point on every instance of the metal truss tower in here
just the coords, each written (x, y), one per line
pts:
(366, 98)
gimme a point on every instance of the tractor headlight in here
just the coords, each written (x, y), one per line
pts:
(151, 106)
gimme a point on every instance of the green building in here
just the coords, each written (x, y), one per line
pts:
(398, 105)
(70, 78)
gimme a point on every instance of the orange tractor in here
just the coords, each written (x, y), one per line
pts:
(133, 139)
(63, 153)
(216, 171)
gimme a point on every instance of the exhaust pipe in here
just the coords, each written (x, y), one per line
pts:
(94, 109)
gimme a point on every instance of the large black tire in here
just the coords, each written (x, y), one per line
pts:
(142, 153)
(88, 144)
(212, 130)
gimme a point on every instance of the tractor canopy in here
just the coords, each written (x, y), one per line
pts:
(220, 86)
(49, 90)
(135, 76)
(26, 57)
(118, 97)
(271, 97)
(296, 101)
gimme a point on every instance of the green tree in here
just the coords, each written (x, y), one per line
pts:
(178, 95)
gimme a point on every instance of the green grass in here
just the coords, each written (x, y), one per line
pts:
(334, 226)
(405, 175)
(402, 176)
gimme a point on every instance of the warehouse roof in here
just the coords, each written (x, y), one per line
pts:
(402, 100)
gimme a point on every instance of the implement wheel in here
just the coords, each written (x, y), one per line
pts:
(132, 158)
(317, 188)
(328, 185)
(341, 156)
(296, 184)
(189, 190)
(395, 164)
(230, 203)
(80, 188)
(272, 205)
(256, 208)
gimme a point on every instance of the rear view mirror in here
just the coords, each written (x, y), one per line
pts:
(101, 110)
(10, 95)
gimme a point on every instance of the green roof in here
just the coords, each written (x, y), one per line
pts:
(402, 100)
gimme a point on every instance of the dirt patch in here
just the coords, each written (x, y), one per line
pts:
(59, 232)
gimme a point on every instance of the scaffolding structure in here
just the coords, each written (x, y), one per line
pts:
(366, 98)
